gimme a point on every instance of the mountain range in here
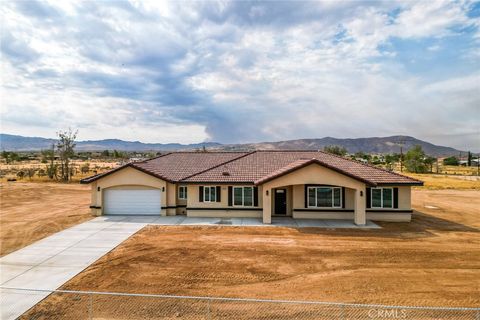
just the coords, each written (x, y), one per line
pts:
(368, 145)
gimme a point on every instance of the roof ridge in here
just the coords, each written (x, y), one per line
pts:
(159, 156)
(193, 151)
(216, 166)
(288, 150)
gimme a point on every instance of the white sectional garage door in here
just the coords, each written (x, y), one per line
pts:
(132, 201)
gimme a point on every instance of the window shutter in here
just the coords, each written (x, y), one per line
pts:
(230, 191)
(343, 197)
(255, 196)
(306, 195)
(200, 194)
(395, 198)
(369, 191)
(219, 193)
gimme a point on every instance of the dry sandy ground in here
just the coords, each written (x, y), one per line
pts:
(32, 211)
(432, 261)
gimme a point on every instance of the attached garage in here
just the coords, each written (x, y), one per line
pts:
(132, 201)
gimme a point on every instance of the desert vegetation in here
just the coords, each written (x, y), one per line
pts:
(61, 162)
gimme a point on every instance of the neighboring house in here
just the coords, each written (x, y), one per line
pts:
(300, 184)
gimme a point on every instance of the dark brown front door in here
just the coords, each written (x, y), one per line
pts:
(281, 201)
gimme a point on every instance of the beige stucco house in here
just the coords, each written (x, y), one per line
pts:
(299, 184)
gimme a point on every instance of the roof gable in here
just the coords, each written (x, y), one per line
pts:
(302, 163)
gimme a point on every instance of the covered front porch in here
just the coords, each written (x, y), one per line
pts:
(314, 201)
(314, 192)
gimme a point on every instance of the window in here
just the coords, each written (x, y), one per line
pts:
(209, 194)
(182, 192)
(382, 197)
(243, 196)
(324, 197)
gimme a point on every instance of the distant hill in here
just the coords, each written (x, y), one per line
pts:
(19, 143)
(367, 145)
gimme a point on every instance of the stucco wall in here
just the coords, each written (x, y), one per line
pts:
(127, 178)
(323, 215)
(312, 174)
(225, 213)
(404, 198)
(299, 197)
(193, 196)
(390, 216)
(233, 211)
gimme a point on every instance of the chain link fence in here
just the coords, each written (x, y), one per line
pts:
(66, 304)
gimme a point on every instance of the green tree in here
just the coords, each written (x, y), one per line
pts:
(340, 151)
(10, 156)
(376, 160)
(105, 153)
(469, 159)
(429, 161)
(5, 155)
(65, 148)
(415, 160)
(451, 161)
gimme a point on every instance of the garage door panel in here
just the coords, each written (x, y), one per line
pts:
(132, 201)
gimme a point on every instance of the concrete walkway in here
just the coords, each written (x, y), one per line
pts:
(49, 263)
(257, 222)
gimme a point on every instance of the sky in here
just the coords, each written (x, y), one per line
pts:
(241, 71)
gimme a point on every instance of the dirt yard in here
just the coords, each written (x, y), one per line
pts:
(32, 211)
(432, 261)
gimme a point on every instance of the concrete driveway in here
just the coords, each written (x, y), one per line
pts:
(50, 262)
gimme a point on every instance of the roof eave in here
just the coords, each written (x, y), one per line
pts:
(413, 183)
(131, 165)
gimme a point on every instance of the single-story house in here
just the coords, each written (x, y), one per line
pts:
(262, 184)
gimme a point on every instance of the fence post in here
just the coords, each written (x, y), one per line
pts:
(209, 315)
(90, 306)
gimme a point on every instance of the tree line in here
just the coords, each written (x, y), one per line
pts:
(414, 160)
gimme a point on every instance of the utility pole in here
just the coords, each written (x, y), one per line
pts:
(478, 164)
(401, 142)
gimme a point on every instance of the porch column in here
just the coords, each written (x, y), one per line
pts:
(267, 205)
(360, 205)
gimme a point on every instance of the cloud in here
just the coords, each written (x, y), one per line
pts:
(240, 71)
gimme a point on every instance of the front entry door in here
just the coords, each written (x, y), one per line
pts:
(281, 201)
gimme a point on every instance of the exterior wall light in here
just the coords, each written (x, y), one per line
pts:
(163, 189)
(361, 193)
(266, 192)
(98, 189)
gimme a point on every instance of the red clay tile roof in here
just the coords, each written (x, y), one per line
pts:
(175, 166)
(256, 167)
